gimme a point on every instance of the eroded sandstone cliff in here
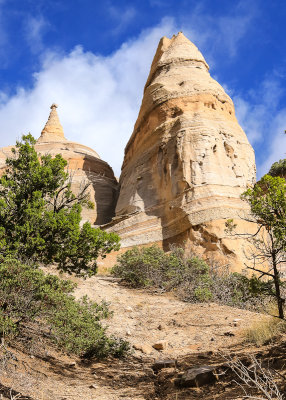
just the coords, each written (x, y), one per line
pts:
(187, 161)
(83, 163)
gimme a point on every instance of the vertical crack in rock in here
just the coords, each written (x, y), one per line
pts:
(194, 158)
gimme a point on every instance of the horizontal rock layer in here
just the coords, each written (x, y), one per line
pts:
(84, 164)
(187, 161)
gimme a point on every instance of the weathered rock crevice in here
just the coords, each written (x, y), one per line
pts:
(187, 161)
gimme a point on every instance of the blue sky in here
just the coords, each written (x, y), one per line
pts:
(92, 58)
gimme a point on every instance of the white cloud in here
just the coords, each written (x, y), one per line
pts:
(121, 17)
(98, 97)
(3, 35)
(277, 142)
(219, 36)
(251, 117)
(34, 28)
(259, 114)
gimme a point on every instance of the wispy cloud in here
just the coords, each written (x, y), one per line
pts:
(34, 29)
(3, 34)
(219, 36)
(157, 3)
(258, 111)
(121, 17)
(99, 97)
(276, 142)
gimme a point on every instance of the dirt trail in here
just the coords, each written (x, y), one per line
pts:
(143, 319)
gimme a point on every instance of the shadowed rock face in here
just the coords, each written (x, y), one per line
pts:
(83, 163)
(187, 161)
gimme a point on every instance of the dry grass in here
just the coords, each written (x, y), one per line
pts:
(265, 330)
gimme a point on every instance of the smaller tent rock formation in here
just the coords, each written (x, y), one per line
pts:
(83, 163)
(186, 163)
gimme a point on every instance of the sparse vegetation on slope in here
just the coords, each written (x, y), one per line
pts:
(191, 278)
(27, 296)
(265, 330)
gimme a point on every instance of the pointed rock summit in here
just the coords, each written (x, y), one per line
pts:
(177, 49)
(53, 130)
(187, 161)
(84, 164)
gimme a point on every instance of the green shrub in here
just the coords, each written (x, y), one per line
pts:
(203, 294)
(40, 216)
(28, 295)
(278, 168)
(191, 278)
(152, 267)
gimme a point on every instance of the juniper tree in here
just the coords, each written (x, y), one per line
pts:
(267, 200)
(40, 215)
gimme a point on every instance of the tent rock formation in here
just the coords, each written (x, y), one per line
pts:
(187, 161)
(185, 166)
(83, 163)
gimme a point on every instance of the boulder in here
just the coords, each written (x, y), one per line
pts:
(197, 377)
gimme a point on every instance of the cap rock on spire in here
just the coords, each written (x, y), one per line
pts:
(53, 130)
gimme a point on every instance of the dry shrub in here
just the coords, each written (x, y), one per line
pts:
(265, 330)
(254, 379)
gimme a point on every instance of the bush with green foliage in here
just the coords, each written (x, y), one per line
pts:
(28, 296)
(267, 201)
(191, 278)
(40, 215)
(278, 168)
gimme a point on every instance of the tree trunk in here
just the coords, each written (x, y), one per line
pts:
(280, 301)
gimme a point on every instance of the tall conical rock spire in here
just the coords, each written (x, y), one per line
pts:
(53, 130)
(187, 161)
(174, 50)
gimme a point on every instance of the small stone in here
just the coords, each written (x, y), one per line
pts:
(205, 355)
(72, 365)
(144, 348)
(229, 333)
(93, 386)
(163, 344)
(128, 309)
(160, 327)
(128, 333)
(160, 364)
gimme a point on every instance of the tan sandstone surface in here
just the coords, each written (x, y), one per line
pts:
(84, 164)
(187, 161)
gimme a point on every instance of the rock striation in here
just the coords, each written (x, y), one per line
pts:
(84, 165)
(187, 161)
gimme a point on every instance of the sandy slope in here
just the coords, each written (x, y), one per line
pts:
(143, 319)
